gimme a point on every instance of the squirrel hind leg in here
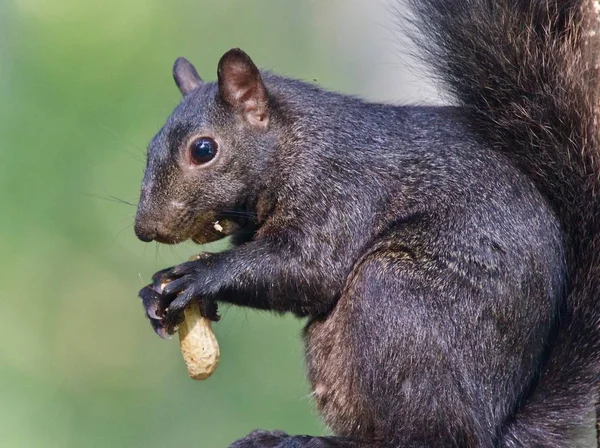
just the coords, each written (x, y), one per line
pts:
(425, 358)
(279, 439)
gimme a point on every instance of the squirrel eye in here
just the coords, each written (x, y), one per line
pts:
(203, 150)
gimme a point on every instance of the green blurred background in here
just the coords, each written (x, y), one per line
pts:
(83, 87)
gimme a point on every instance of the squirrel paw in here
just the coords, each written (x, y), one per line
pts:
(164, 305)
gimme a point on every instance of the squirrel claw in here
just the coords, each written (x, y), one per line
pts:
(169, 293)
(151, 300)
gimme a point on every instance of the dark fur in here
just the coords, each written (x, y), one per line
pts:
(446, 257)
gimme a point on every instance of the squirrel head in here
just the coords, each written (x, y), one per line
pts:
(207, 162)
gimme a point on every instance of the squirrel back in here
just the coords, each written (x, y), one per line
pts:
(528, 73)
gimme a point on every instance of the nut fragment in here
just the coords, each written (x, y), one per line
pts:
(218, 227)
(199, 345)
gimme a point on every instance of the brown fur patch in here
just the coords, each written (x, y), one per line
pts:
(329, 359)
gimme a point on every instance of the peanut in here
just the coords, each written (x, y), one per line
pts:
(199, 345)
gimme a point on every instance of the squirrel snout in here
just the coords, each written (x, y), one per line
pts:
(144, 233)
(145, 227)
(148, 230)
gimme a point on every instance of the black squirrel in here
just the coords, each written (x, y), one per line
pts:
(447, 258)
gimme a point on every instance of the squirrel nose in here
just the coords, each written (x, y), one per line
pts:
(144, 232)
(145, 235)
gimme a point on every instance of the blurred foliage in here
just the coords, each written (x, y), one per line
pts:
(83, 87)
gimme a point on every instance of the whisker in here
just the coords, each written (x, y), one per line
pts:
(173, 249)
(128, 226)
(121, 138)
(129, 217)
(110, 198)
(114, 239)
(245, 214)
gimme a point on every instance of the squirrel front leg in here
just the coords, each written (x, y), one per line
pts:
(265, 273)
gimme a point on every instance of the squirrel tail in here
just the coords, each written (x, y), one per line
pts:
(528, 73)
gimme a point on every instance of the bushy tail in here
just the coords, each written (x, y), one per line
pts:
(527, 70)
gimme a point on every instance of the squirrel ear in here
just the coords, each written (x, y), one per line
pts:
(241, 86)
(185, 75)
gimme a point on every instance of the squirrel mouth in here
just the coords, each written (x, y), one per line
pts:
(209, 230)
(165, 240)
(204, 231)
(208, 233)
